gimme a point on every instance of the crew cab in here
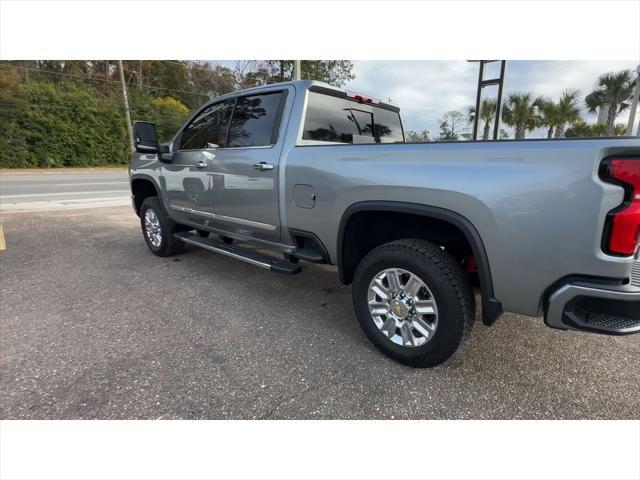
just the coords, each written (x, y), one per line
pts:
(315, 173)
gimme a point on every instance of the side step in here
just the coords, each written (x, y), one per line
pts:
(603, 322)
(254, 258)
(308, 255)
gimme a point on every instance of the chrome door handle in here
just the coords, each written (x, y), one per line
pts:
(262, 166)
(201, 164)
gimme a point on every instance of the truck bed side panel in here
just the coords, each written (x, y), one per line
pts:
(539, 207)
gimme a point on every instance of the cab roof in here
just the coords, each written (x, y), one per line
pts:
(303, 84)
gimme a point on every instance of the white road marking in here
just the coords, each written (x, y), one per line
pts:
(60, 194)
(123, 182)
(64, 205)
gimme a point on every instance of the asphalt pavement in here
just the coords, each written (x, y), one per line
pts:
(92, 325)
(48, 190)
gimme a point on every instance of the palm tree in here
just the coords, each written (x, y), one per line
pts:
(612, 90)
(487, 114)
(568, 110)
(518, 112)
(548, 116)
(582, 129)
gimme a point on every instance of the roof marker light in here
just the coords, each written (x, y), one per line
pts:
(362, 98)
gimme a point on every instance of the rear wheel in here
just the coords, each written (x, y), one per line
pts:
(413, 301)
(158, 229)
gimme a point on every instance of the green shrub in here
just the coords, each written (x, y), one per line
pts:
(46, 124)
(167, 113)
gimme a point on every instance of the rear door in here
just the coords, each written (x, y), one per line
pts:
(187, 181)
(244, 174)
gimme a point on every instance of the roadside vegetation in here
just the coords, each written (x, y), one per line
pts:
(71, 113)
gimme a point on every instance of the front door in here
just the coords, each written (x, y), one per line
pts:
(244, 175)
(187, 182)
(188, 186)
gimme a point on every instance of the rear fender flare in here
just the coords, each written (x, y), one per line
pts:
(491, 307)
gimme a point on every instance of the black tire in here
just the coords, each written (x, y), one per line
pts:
(202, 233)
(448, 284)
(227, 240)
(168, 245)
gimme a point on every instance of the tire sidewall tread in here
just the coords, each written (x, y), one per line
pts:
(448, 283)
(169, 245)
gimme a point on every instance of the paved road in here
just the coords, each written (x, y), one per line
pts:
(62, 190)
(92, 325)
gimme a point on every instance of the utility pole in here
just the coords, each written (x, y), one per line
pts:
(297, 74)
(634, 106)
(126, 105)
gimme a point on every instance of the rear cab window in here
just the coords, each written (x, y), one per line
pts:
(338, 119)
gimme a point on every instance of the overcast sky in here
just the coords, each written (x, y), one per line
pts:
(426, 89)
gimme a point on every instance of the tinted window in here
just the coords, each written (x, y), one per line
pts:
(254, 121)
(364, 122)
(387, 128)
(328, 119)
(333, 119)
(209, 128)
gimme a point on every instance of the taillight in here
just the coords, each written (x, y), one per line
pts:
(622, 233)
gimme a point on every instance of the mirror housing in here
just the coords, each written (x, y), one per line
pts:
(165, 153)
(145, 138)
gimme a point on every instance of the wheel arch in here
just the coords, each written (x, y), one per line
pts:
(142, 186)
(491, 307)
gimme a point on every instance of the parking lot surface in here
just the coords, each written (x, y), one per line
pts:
(94, 326)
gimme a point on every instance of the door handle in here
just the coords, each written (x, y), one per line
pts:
(201, 164)
(262, 166)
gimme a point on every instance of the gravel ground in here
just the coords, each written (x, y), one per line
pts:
(94, 326)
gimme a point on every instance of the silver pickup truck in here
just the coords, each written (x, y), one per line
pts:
(314, 173)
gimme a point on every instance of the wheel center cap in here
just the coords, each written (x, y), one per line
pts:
(398, 308)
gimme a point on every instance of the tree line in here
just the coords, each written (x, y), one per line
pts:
(70, 112)
(561, 117)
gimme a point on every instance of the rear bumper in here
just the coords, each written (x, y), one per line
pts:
(608, 309)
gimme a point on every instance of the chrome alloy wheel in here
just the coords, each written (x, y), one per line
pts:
(402, 307)
(152, 227)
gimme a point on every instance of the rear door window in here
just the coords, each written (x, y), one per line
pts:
(255, 120)
(209, 128)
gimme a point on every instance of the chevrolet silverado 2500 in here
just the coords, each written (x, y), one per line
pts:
(310, 172)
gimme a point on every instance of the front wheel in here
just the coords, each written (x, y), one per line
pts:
(158, 229)
(413, 301)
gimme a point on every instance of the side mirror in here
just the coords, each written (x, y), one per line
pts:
(145, 137)
(165, 153)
